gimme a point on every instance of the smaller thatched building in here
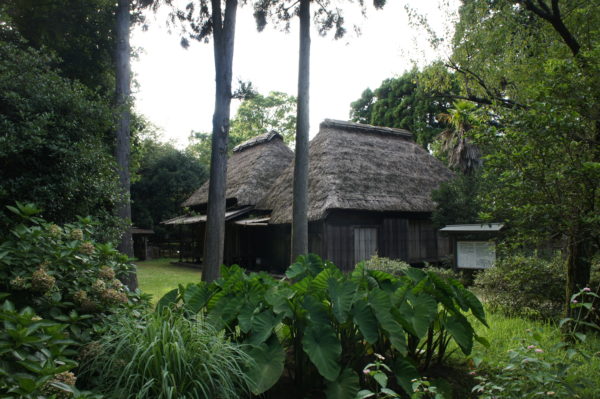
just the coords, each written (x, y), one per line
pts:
(369, 192)
(251, 171)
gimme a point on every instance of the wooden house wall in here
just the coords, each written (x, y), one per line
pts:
(410, 237)
(257, 247)
(405, 236)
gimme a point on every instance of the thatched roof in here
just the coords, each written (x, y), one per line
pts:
(251, 170)
(361, 167)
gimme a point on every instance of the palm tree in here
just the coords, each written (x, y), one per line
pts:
(462, 153)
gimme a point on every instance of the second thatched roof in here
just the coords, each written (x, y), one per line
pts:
(251, 170)
(361, 167)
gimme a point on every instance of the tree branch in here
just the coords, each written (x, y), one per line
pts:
(493, 97)
(555, 19)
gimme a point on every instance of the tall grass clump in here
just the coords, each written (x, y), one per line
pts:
(167, 356)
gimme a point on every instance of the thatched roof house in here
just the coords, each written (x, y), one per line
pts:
(361, 167)
(369, 192)
(251, 171)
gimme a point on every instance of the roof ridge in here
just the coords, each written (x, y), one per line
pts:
(257, 140)
(346, 125)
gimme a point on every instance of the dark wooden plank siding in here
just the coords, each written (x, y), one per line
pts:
(339, 245)
(394, 238)
(422, 241)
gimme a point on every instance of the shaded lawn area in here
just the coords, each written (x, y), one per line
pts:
(506, 333)
(159, 276)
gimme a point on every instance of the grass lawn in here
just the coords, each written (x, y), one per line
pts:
(506, 333)
(159, 276)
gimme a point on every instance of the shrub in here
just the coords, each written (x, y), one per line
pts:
(55, 147)
(165, 355)
(391, 266)
(322, 324)
(521, 285)
(398, 268)
(63, 274)
(34, 353)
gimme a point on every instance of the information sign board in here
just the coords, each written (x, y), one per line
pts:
(475, 254)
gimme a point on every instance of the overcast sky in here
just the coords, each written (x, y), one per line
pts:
(176, 86)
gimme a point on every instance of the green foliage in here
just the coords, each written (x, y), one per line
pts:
(586, 315)
(256, 115)
(531, 371)
(165, 355)
(53, 149)
(63, 274)
(327, 322)
(523, 61)
(524, 285)
(509, 333)
(79, 32)
(391, 266)
(458, 200)
(33, 352)
(165, 178)
(404, 103)
(260, 114)
(454, 142)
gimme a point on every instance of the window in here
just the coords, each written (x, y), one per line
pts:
(365, 243)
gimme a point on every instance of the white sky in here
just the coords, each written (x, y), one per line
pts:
(176, 86)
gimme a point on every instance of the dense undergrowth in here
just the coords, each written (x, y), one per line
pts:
(59, 286)
(71, 330)
(315, 331)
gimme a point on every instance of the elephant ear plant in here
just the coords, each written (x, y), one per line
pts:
(320, 325)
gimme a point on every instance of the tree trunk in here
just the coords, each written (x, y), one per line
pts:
(122, 133)
(223, 39)
(578, 268)
(300, 201)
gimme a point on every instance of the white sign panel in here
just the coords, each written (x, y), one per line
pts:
(475, 254)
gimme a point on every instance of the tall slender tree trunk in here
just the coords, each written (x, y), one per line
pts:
(223, 39)
(122, 133)
(578, 267)
(300, 202)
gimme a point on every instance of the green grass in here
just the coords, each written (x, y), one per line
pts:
(159, 276)
(506, 333)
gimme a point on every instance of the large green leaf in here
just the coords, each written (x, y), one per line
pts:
(296, 270)
(405, 371)
(279, 298)
(167, 299)
(225, 311)
(420, 311)
(380, 302)
(321, 281)
(267, 366)
(475, 305)
(323, 349)
(365, 320)
(196, 296)
(344, 387)
(317, 311)
(342, 296)
(462, 332)
(415, 274)
(245, 317)
(263, 324)
(305, 265)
